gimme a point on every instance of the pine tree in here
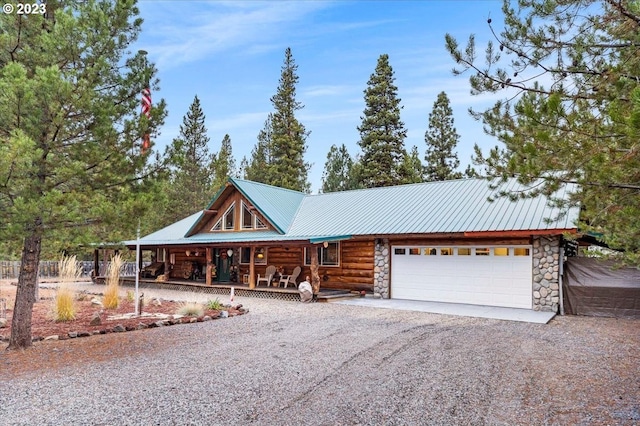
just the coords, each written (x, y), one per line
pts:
(338, 171)
(190, 161)
(412, 167)
(223, 164)
(442, 139)
(382, 133)
(575, 116)
(258, 169)
(288, 136)
(70, 131)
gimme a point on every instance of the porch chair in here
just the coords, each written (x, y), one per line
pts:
(270, 272)
(290, 279)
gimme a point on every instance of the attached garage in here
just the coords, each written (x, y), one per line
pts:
(478, 275)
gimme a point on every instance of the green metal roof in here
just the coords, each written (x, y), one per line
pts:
(278, 205)
(455, 206)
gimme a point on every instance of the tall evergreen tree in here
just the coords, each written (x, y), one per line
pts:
(288, 136)
(338, 172)
(573, 66)
(223, 164)
(382, 133)
(258, 168)
(412, 167)
(70, 130)
(442, 138)
(190, 160)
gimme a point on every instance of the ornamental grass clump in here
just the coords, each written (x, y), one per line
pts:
(111, 298)
(214, 305)
(191, 309)
(68, 271)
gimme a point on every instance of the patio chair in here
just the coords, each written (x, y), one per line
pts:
(270, 272)
(290, 279)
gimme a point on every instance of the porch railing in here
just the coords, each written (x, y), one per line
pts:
(49, 269)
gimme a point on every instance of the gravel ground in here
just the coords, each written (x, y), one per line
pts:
(289, 363)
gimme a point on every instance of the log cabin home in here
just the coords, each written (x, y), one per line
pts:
(453, 241)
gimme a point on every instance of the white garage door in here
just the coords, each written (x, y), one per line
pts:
(487, 275)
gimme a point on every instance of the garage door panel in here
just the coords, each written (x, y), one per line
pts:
(484, 280)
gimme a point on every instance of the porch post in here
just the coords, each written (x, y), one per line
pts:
(315, 277)
(209, 252)
(96, 263)
(167, 266)
(252, 269)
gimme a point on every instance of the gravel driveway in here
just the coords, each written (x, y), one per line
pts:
(289, 363)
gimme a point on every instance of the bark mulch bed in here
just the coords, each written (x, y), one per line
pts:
(43, 325)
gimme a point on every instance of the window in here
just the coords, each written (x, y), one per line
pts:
(464, 251)
(259, 259)
(414, 251)
(482, 251)
(399, 251)
(217, 226)
(327, 256)
(247, 217)
(229, 218)
(430, 251)
(501, 251)
(259, 223)
(521, 251)
(446, 251)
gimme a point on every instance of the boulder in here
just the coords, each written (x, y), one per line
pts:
(95, 319)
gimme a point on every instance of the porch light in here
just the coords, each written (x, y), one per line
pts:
(230, 252)
(325, 244)
(260, 256)
(187, 252)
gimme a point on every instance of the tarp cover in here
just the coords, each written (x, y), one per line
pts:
(597, 287)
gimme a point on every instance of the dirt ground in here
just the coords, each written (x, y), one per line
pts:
(329, 364)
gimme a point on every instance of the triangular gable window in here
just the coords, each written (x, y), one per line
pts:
(247, 217)
(260, 224)
(229, 218)
(217, 226)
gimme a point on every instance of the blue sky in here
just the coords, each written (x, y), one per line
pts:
(230, 54)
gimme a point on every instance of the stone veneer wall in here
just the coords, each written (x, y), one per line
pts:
(381, 271)
(546, 268)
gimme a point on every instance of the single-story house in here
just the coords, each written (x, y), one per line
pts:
(436, 241)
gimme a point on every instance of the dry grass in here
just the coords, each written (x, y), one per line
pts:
(69, 271)
(191, 309)
(111, 298)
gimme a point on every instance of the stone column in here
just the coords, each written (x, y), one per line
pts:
(381, 269)
(546, 267)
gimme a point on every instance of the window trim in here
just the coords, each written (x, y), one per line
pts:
(224, 218)
(320, 256)
(256, 261)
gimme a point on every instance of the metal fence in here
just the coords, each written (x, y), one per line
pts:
(49, 269)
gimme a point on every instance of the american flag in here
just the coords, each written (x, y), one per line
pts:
(146, 111)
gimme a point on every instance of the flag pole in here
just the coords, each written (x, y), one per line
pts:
(137, 268)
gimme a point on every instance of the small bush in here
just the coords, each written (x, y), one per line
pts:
(130, 295)
(64, 308)
(214, 305)
(191, 309)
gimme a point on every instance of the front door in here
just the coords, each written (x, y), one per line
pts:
(223, 265)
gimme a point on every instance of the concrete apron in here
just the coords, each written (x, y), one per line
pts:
(493, 312)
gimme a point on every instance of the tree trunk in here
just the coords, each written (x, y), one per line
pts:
(315, 277)
(26, 291)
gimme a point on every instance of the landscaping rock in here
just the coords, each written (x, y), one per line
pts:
(95, 319)
(119, 328)
(156, 301)
(73, 334)
(223, 314)
(96, 302)
(54, 337)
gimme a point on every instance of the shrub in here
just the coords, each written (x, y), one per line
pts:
(214, 305)
(191, 309)
(112, 280)
(130, 295)
(64, 308)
